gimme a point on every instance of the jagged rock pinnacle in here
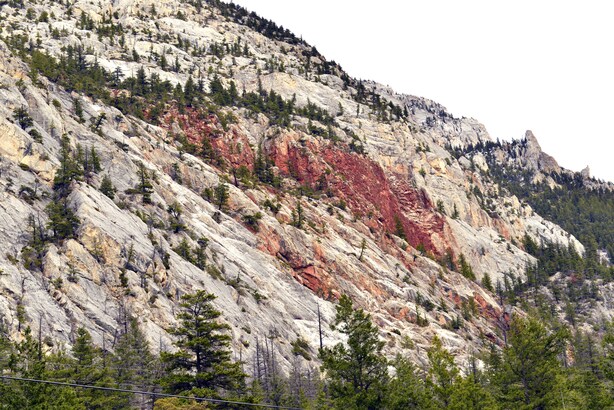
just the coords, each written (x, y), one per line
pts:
(537, 159)
(532, 141)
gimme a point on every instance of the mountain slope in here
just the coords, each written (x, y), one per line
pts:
(246, 164)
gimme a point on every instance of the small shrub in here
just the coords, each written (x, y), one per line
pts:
(252, 220)
(300, 347)
(214, 272)
(36, 136)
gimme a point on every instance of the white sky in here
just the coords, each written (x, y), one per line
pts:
(547, 66)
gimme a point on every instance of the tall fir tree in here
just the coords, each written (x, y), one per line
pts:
(407, 389)
(356, 370)
(526, 373)
(443, 374)
(91, 366)
(202, 366)
(134, 364)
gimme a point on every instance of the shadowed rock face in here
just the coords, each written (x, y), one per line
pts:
(384, 226)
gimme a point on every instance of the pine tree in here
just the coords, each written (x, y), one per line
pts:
(607, 363)
(262, 169)
(442, 375)
(78, 106)
(407, 389)
(357, 370)
(97, 122)
(298, 216)
(202, 366)
(141, 84)
(206, 149)
(176, 224)
(133, 362)
(9, 392)
(106, 187)
(487, 282)
(455, 214)
(95, 166)
(62, 220)
(32, 254)
(525, 375)
(468, 394)
(399, 229)
(28, 360)
(465, 268)
(91, 368)
(144, 186)
(200, 257)
(221, 196)
(189, 91)
(233, 94)
(20, 114)
(70, 170)
(183, 249)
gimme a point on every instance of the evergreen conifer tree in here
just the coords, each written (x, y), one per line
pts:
(407, 390)
(134, 364)
(221, 196)
(106, 187)
(202, 366)
(525, 375)
(357, 370)
(144, 187)
(442, 375)
(90, 367)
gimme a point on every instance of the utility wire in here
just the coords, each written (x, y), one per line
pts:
(147, 393)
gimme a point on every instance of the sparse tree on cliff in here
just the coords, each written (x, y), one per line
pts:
(455, 214)
(298, 215)
(464, 267)
(487, 282)
(70, 170)
(62, 220)
(144, 187)
(20, 114)
(221, 196)
(106, 187)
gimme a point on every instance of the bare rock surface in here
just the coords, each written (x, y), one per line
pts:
(378, 231)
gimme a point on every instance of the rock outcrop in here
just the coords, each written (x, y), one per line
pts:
(368, 202)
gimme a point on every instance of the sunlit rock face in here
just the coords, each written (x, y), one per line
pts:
(369, 203)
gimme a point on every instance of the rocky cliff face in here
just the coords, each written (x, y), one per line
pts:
(367, 200)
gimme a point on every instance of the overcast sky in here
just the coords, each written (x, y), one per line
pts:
(541, 65)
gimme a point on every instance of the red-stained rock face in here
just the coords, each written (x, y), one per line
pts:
(383, 201)
(234, 147)
(403, 313)
(486, 309)
(317, 281)
(231, 145)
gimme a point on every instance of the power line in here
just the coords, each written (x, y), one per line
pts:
(147, 393)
